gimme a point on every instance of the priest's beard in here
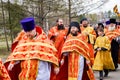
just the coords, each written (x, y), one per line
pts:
(74, 34)
(111, 28)
(85, 25)
(61, 27)
(32, 36)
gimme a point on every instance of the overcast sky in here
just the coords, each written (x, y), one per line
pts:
(109, 6)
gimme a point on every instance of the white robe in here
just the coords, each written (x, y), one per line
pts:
(44, 70)
(81, 67)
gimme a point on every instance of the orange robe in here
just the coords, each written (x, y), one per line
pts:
(3, 72)
(112, 35)
(29, 52)
(90, 40)
(58, 41)
(76, 46)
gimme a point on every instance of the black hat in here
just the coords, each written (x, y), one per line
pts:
(112, 20)
(101, 24)
(83, 19)
(75, 24)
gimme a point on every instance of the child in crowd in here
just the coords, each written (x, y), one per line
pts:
(103, 60)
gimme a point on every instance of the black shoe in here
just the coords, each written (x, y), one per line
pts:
(114, 70)
(101, 78)
(106, 75)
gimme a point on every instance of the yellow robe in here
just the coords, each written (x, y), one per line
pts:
(103, 59)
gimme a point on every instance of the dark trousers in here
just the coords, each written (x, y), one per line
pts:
(106, 71)
(114, 52)
(101, 75)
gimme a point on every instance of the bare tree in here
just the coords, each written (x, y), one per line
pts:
(9, 13)
(4, 26)
(85, 6)
(69, 1)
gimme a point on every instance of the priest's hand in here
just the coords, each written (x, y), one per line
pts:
(99, 49)
(86, 33)
(56, 70)
(87, 61)
(56, 34)
(65, 37)
(10, 66)
(62, 62)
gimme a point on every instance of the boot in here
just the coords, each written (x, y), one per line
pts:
(101, 75)
(106, 72)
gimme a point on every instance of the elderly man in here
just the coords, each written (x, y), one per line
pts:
(113, 34)
(33, 52)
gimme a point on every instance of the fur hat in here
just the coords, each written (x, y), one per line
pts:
(112, 20)
(28, 24)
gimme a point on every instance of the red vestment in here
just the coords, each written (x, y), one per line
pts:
(29, 52)
(75, 47)
(58, 41)
(3, 72)
(90, 39)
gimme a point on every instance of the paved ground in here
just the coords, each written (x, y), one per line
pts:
(113, 75)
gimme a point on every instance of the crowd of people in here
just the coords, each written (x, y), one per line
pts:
(65, 53)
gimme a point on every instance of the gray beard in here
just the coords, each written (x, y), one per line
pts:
(111, 28)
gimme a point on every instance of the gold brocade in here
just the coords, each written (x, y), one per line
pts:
(29, 51)
(91, 33)
(3, 72)
(76, 46)
(29, 70)
(73, 65)
(40, 48)
(112, 34)
(70, 78)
